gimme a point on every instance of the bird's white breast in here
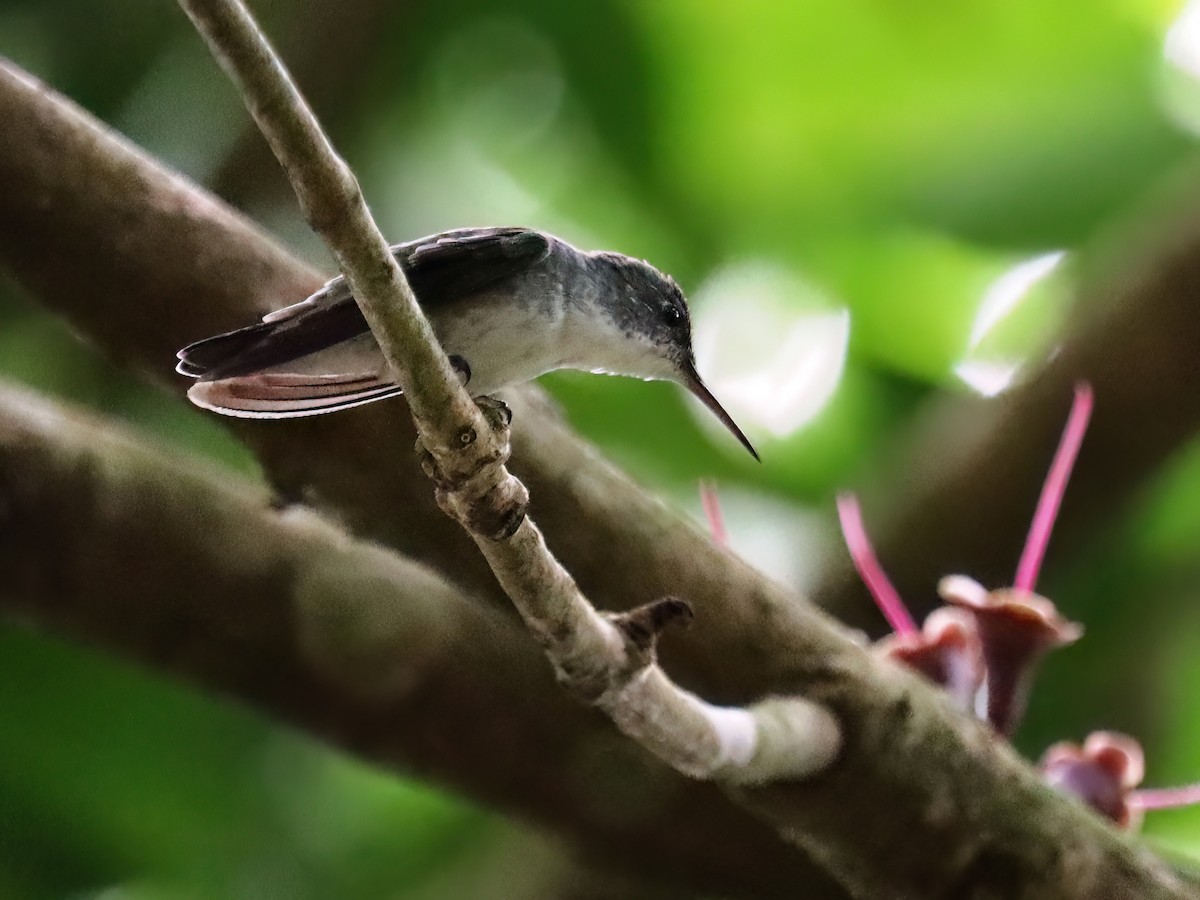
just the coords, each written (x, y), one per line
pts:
(503, 343)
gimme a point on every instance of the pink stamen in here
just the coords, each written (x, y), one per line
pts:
(1166, 798)
(886, 597)
(1053, 489)
(712, 511)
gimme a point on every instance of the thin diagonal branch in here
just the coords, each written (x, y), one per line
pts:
(589, 653)
(351, 31)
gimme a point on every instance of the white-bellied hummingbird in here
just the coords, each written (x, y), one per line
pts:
(506, 304)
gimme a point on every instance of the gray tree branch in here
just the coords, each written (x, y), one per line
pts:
(967, 817)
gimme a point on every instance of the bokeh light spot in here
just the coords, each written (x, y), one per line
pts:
(986, 372)
(771, 346)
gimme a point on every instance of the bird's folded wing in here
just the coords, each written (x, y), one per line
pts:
(441, 269)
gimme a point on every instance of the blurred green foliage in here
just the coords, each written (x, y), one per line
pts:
(898, 155)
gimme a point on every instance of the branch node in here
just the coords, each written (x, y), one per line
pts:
(485, 505)
(642, 626)
(474, 488)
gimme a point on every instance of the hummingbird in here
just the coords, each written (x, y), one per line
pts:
(507, 305)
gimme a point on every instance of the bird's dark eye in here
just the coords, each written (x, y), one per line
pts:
(671, 314)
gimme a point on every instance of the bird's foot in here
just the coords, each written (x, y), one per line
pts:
(462, 367)
(468, 484)
(496, 411)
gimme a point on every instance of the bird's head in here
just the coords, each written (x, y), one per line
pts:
(649, 310)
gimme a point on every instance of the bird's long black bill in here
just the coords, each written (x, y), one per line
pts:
(698, 387)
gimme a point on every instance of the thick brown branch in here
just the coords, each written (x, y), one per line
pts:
(966, 817)
(110, 540)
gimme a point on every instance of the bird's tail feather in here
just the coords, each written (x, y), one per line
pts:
(286, 396)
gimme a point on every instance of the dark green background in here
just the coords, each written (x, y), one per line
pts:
(891, 158)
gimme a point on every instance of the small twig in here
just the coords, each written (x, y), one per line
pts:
(784, 739)
(643, 625)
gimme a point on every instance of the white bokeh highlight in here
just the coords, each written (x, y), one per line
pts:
(1182, 46)
(770, 346)
(990, 375)
(1179, 87)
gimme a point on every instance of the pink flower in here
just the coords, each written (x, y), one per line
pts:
(1012, 628)
(946, 650)
(1102, 773)
(1016, 630)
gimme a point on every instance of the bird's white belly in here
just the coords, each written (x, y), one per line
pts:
(503, 349)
